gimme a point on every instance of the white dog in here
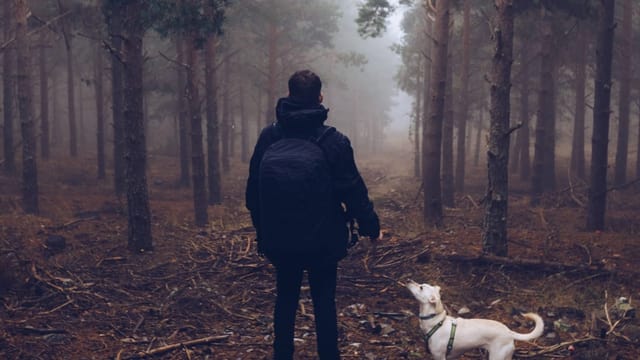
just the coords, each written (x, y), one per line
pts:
(448, 337)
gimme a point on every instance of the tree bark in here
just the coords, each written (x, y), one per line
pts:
(135, 142)
(71, 104)
(524, 133)
(244, 124)
(226, 118)
(476, 157)
(494, 240)
(99, 94)
(601, 110)
(213, 129)
(272, 72)
(8, 93)
(577, 149)
(464, 107)
(114, 20)
(447, 140)
(624, 100)
(432, 131)
(540, 162)
(183, 124)
(44, 97)
(25, 107)
(416, 124)
(197, 150)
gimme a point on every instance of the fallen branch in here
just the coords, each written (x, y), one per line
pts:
(550, 349)
(163, 349)
(533, 263)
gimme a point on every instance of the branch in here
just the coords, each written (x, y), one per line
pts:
(34, 31)
(183, 65)
(514, 128)
(163, 349)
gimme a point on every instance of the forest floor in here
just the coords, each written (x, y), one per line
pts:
(205, 294)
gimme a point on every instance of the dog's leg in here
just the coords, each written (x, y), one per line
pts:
(502, 352)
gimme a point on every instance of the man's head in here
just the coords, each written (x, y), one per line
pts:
(305, 86)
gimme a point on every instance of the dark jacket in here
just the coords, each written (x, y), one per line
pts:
(297, 120)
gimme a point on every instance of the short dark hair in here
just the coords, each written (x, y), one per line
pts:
(305, 86)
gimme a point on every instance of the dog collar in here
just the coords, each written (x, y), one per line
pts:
(427, 317)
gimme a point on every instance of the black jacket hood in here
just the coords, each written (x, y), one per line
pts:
(294, 115)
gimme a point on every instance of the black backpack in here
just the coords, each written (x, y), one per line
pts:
(296, 194)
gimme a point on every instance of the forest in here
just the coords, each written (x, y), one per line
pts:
(499, 140)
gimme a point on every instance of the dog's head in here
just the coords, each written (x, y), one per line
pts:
(426, 294)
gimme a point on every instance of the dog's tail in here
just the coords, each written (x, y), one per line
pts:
(535, 333)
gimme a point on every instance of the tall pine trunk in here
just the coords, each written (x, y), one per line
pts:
(447, 141)
(416, 123)
(272, 72)
(523, 136)
(244, 124)
(71, 102)
(213, 130)
(476, 152)
(432, 131)
(44, 97)
(545, 102)
(8, 92)
(99, 94)
(464, 107)
(183, 126)
(624, 100)
(25, 107)
(494, 240)
(139, 214)
(114, 20)
(601, 110)
(197, 150)
(577, 148)
(226, 118)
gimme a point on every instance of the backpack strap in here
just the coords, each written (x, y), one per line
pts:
(325, 132)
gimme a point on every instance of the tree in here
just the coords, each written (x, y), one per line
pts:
(464, 106)
(44, 96)
(8, 92)
(624, 98)
(601, 110)
(448, 184)
(432, 129)
(213, 128)
(494, 240)
(71, 105)
(113, 12)
(25, 107)
(99, 89)
(183, 124)
(139, 214)
(577, 148)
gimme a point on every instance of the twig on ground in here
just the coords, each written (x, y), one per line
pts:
(163, 349)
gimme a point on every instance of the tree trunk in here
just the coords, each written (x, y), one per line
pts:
(545, 102)
(27, 125)
(213, 134)
(494, 240)
(523, 135)
(272, 72)
(135, 143)
(226, 119)
(114, 19)
(8, 93)
(183, 126)
(447, 140)
(416, 122)
(244, 124)
(44, 98)
(577, 149)
(476, 157)
(71, 103)
(624, 100)
(601, 110)
(464, 107)
(98, 86)
(432, 131)
(197, 151)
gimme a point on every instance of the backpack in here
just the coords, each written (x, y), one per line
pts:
(296, 195)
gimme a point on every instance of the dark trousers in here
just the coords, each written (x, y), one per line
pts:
(322, 281)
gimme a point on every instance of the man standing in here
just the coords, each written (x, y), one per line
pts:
(302, 177)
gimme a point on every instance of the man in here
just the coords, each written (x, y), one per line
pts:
(302, 177)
